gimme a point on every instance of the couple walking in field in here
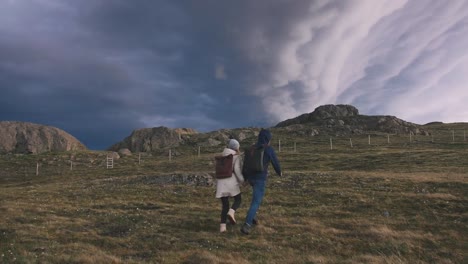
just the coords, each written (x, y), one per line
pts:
(230, 187)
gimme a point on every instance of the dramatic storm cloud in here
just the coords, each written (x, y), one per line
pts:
(101, 68)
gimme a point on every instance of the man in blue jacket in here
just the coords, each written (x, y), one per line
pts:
(258, 180)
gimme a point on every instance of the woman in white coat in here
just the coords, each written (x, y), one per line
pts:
(230, 187)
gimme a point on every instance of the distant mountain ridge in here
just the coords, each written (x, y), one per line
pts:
(336, 120)
(24, 137)
(326, 119)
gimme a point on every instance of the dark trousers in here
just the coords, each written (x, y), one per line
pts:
(225, 208)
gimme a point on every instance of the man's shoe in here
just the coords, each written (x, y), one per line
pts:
(245, 229)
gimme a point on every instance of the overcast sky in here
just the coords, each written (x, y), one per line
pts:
(99, 69)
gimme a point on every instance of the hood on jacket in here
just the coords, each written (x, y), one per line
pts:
(264, 137)
(228, 151)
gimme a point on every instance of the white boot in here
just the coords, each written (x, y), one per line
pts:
(222, 228)
(230, 215)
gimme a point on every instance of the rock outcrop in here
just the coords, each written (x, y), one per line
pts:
(152, 139)
(161, 138)
(345, 119)
(24, 137)
(322, 113)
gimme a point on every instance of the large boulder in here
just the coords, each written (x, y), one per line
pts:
(335, 111)
(24, 137)
(125, 152)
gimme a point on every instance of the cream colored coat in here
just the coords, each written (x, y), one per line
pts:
(231, 186)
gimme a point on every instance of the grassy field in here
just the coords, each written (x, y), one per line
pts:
(398, 202)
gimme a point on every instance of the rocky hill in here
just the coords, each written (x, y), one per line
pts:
(345, 119)
(24, 137)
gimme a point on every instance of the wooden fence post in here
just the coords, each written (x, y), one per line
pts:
(170, 154)
(37, 168)
(351, 142)
(331, 144)
(198, 151)
(279, 145)
(453, 136)
(388, 138)
(369, 139)
(71, 165)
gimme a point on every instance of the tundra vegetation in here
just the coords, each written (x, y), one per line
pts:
(397, 202)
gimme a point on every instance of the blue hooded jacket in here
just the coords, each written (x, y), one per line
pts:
(264, 138)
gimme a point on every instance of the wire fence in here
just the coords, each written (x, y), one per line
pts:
(110, 164)
(372, 141)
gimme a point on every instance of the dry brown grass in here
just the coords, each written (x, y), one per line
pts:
(332, 217)
(413, 176)
(370, 204)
